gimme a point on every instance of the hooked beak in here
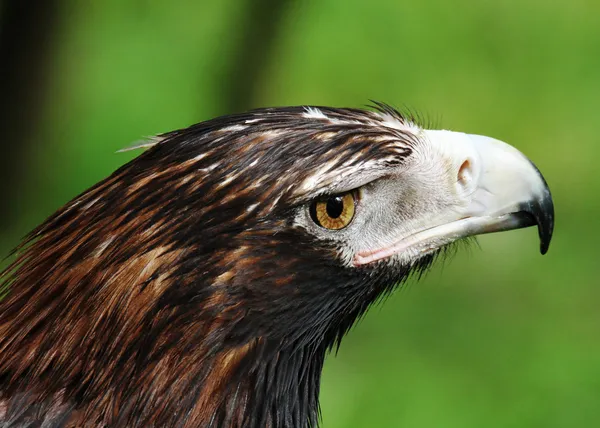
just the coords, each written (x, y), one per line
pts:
(498, 189)
(518, 194)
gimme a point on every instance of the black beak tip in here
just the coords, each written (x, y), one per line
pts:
(545, 232)
(543, 212)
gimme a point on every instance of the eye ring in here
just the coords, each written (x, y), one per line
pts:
(334, 212)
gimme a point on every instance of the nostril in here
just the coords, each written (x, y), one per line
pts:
(465, 173)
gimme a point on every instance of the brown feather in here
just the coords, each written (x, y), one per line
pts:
(177, 292)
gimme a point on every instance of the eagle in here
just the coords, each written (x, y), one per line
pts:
(203, 283)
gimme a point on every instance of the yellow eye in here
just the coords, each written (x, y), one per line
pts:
(335, 212)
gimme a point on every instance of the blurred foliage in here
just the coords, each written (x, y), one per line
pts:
(500, 336)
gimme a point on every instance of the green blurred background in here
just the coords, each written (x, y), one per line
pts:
(498, 337)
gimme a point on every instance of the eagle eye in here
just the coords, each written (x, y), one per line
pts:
(334, 212)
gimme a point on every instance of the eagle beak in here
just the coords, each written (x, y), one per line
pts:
(506, 190)
(479, 185)
(511, 190)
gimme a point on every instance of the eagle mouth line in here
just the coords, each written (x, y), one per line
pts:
(430, 239)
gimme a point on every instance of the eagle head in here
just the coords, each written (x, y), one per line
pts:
(202, 283)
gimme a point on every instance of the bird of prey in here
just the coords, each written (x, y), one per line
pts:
(203, 283)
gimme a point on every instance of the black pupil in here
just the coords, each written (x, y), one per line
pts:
(335, 206)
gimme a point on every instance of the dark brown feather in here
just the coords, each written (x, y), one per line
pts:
(177, 292)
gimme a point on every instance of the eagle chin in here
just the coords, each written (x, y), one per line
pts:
(202, 283)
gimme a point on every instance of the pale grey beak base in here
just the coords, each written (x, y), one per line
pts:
(516, 181)
(493, 188)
